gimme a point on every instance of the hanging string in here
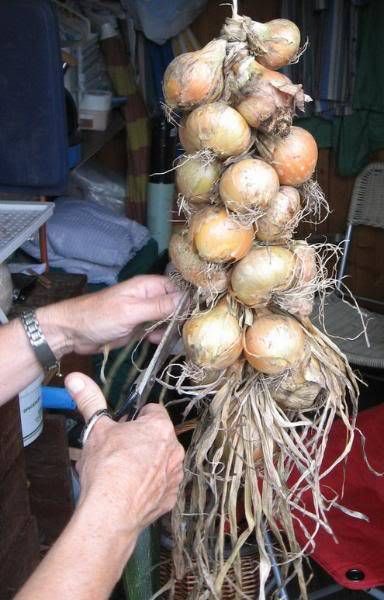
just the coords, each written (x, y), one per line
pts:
(235, 8)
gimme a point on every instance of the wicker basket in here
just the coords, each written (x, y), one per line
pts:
(249, 572)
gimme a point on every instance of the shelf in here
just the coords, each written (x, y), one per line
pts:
(19, 221)
(93, 141)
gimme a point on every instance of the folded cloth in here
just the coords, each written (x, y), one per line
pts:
(86, 237)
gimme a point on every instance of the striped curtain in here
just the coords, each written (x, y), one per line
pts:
(137, 126)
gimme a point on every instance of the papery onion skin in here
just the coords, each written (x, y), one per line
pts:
(219, 128)
(268, 100)
(256, 109)
(276, 42)
(301, 304)
(218, 238)
(300, 389)
(194, 78)
(213, 339)
(274, 343)
(263, 271)
(193, 269)
(306, 267)
(185, 140)
(195, 178)
(294, 157)
(278, 222)
(248, 184)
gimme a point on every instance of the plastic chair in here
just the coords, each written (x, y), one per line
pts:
(341, 320)
(356, 560)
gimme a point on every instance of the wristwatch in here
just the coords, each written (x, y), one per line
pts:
(39, 344)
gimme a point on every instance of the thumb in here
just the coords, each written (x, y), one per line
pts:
(86, 393)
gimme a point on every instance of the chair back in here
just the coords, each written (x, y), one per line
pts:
(367, 202)
(366, 207)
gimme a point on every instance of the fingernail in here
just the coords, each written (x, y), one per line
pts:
(75, 384)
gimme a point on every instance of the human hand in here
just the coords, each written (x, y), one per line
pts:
(111, 315)
(129, 472)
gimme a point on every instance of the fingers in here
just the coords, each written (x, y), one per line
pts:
(155, 410)
(147, 286)
(159, 307)
(86, 393)
(156, 336)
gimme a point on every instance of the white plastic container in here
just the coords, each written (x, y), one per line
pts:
(94, 110)
(31, 411)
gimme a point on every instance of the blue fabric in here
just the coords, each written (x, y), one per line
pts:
(86, 237)
(33, 138)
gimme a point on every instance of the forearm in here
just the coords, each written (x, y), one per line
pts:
(18, 363)
(84, 563)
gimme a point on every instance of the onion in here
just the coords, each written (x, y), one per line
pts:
(185, 139)
(256, 109)
(219, 128)
(217, 238)
(196, 77)
(301, 303)
(276, 43)
(213, 339)
(248, 184)
(299, 390)
(268, 99)
(274, 343)
(263, 271)
(295, 156)
(192, 268)
(278, 222)
(195, 178)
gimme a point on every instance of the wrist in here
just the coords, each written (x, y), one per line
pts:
(55, 327)
(118, 537)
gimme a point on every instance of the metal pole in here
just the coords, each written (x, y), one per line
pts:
(283, 595)
(344, 258)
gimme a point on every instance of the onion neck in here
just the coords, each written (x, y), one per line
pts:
(261, 30)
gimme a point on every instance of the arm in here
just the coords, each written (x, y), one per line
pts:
(129, 475)
(84, 325)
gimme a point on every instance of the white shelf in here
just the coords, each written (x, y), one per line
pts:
(19, 221)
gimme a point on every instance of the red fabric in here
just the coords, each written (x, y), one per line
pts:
(361, 544)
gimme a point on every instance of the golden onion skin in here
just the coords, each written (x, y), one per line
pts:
(219, 128)
(281, 217)
(195, 178)
(218, 238)
(248, 184)
(193, 269)
(274, 343)
(294, 157)
(213, 339)
(194, 78)
(264, 270)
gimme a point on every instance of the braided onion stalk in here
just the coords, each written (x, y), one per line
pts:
(264, 384)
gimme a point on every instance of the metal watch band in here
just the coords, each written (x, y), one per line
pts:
(38, 342)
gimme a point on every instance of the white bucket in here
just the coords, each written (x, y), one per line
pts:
(31, 411)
